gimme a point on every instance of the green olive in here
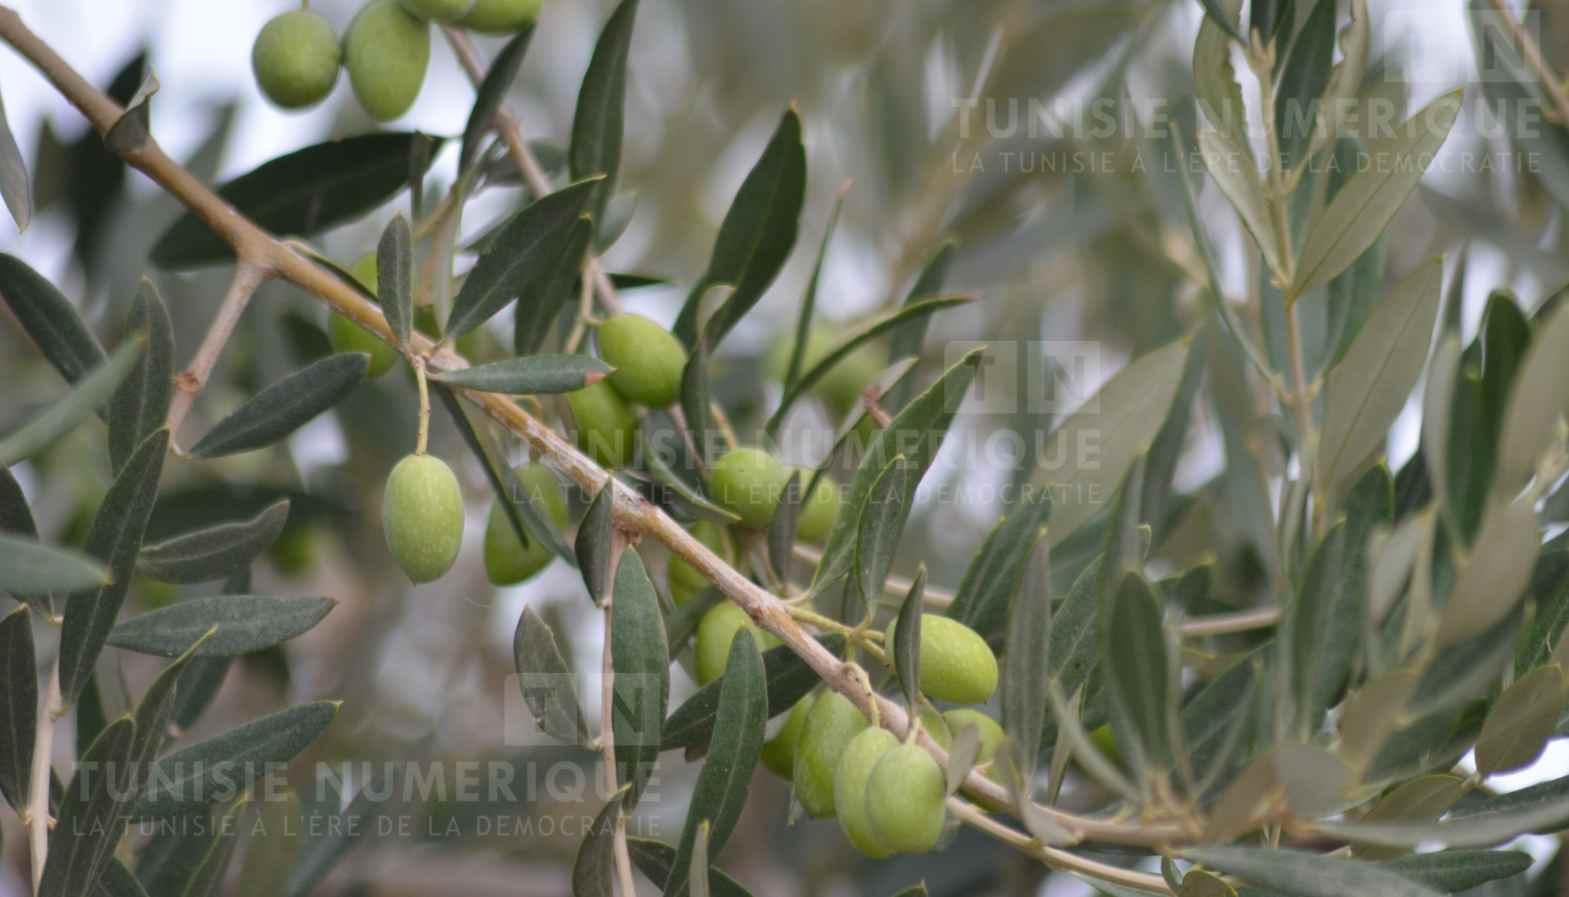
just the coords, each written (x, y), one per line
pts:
(606, 424)
(861, 756)
(843, 383)
(507, 560)
(500, 16)
(294, 552)
(956, 663)
(749, 482)
(647, 358)
(386, 51)
(686, 580)
(716, 631)
(989, 730)
(422, 516)
(439, 10)
(779, 753)
(905, 800)
(820, 511)
(296, 58)
(830, 725)
(347, 336)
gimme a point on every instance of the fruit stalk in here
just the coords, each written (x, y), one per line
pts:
(607, 745)
(38, 819)
(190, 382)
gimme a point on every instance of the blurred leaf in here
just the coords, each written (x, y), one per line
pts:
(1367, 388)
(1535, 403)
(193, 777)
(1493, 578)
(695, 400)
(18, 706)
(1214, 77)
(1345, 228)
(32, 568)
(395, 277)
(303, 193)
(48, 317)
(117, 881)
(1345, 78)
(680, 491)
(1123, 419)
(1217, 721)
(213, 552)
(284, 406)
(490, 96)
(1453, 871)
(782, 526)
(155, 710)
(803, 321)
(1543, 807)
(1314, 780)
(1137, 675)
(130, 130)
(320, 854)
(879, 525)
(754, 239)
(115, 539)
(546, 680)
(596, 547)
(141, 403)
(726, 776)
(1215, 12)
(63, 415)
(1322, 628)
(1422, 799)
(522, 261)
(16, 188)
(642, 680)
(594, 870)
(597, 121)
(1437, 400)
(1234, 172)
(698, 869)
(991, 582)
(225, 836)
(1027, 657)
(1072, 645)
(1521, 721)
(1307, 874)
(655, 859)
(1302, 76)
(245, 623)
(906, 648)
(556, 295)
(962, 756)
(91, 818)
(788, 679)
(535, 374)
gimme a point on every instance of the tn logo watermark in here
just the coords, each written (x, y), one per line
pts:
(1031, 376)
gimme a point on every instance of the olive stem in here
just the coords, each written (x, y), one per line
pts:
(423, 436)
(607, 744)
(1532, 53)
(37, 812)
(896, 587)
(632, 512)
(1054, 857)
(188, 384)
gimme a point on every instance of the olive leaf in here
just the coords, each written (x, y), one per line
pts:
(1454, 871)
(91, 817)
(1346, 227)
(284, 406)
(304, 192)
(531, 375)
(641, 659)
(596, 547)
(754, 239)
(1493, 579)
(880, 523)
(1437, 400)
(1536, 401)
(118, 881)
(1321, 630)
(141, 404)
(244, 623)
(1543, 807)
(803, 321)
(782, 526)
(1302, 77)
(698, 869)
(906, 648)
(788, 680)
(49, 319)
(597, 121)
(18, 706)
(320, 854)
(213, 552)
(395, 277)
(992, 579)
(695, 400)
(28, 567)
(962, 755)
(1235, 173)
(1027, 657)
(60, 417)
(909, 337)
(655, 859)
(115, 539)
(593, 872)
(208, 876)
(16, 188)
(155, 710)
(681, 491)
(1307, 874)
(1521, 721)
(545, 680)
(1137, 674)
(1224, 19)
(733, 750)
(532, 326)
(491, 94)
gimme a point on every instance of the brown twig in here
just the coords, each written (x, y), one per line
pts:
(1531, 52)
(190, 382)
(607, 743)
(38, 818)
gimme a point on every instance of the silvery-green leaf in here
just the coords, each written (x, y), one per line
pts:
(1437, 400)
(782, 526)
(1521, 721)
(530, 375)
(1234, 171)
(803, 325)
(656, 858)
(992, 579)
(597, 122)
(962, 754)
(595, 546)
(880, 524)
(490, 96)
(695, 400)
(1224, 18)
(1301, 79)
(546, 680)
(1453, 871)
(141, 403)
(395, 277)
(60, 417)
(28, 567)
(906, 648)
(1364, 206)
(1536, 402)
(91, 816)
(16, 188)
(1027, 658)
(49, 319)
(698, 869)
(593, 872)
(18, 705)
(1495, 574)
(534, 321)
(1136, 672)
(1307, 874)
(1322, 628)
(642, 681)
(1345, 79)
(284, 406)
(209, 876)
(245, 623)
(213, 552)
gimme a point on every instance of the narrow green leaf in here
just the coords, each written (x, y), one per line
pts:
(755, 238)
(782, 527)
(532, 323)
(304, 192)
(18, 705)
(1322, 629)
(533, 375)
(1345, 228)
(490, 96)
(49, 319)
(32, 568)
(596, 547)
(681, 492)
(594, 870)
(1026, 659)
(1234, 172)
(641, 659)
(1521, 721)
(1136, 672)
(733, 750)
(695, 400)
(1224, 19)
(880, 524)
(208, 880)
(803, 321)
(60, 417)
(16, 188)
(91, 817)
(907, 638)
(245, 623)
(1307, 874)
(788, 680)
(115, 539)
(992, 580)
(213, 552)
(117, 881)
(655, 859)
(597, 123)
(1437, 400)
(1345, 79)
(284, 406)
(546, 681)
(395, 277)
(1453, 871)
(1543, 807)
(1214, 76)
(141, 404)
(1369, 386)
(193, 777)
(1536, 401)
(320, 854)
(156, 708)
(1493, 580)
(522, 260)
(1303, 75)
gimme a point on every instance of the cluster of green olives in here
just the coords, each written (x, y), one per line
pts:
(647, 362)
(386, 49)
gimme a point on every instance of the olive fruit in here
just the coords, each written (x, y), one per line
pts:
(422, 516)
(842, 384)
(830, 725)
(647, 358)
(820, 510)
(686, 580)
(294, 552)
(748, 482)
(861, 756)
(295, 59)
(779, 752)
(507, 560)
(347, 336)
(439, 10)
(606, 424)
(386, 51)
(716, 631)
(988, 729)
(956, 663)
(500, 16)
(905, 800)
